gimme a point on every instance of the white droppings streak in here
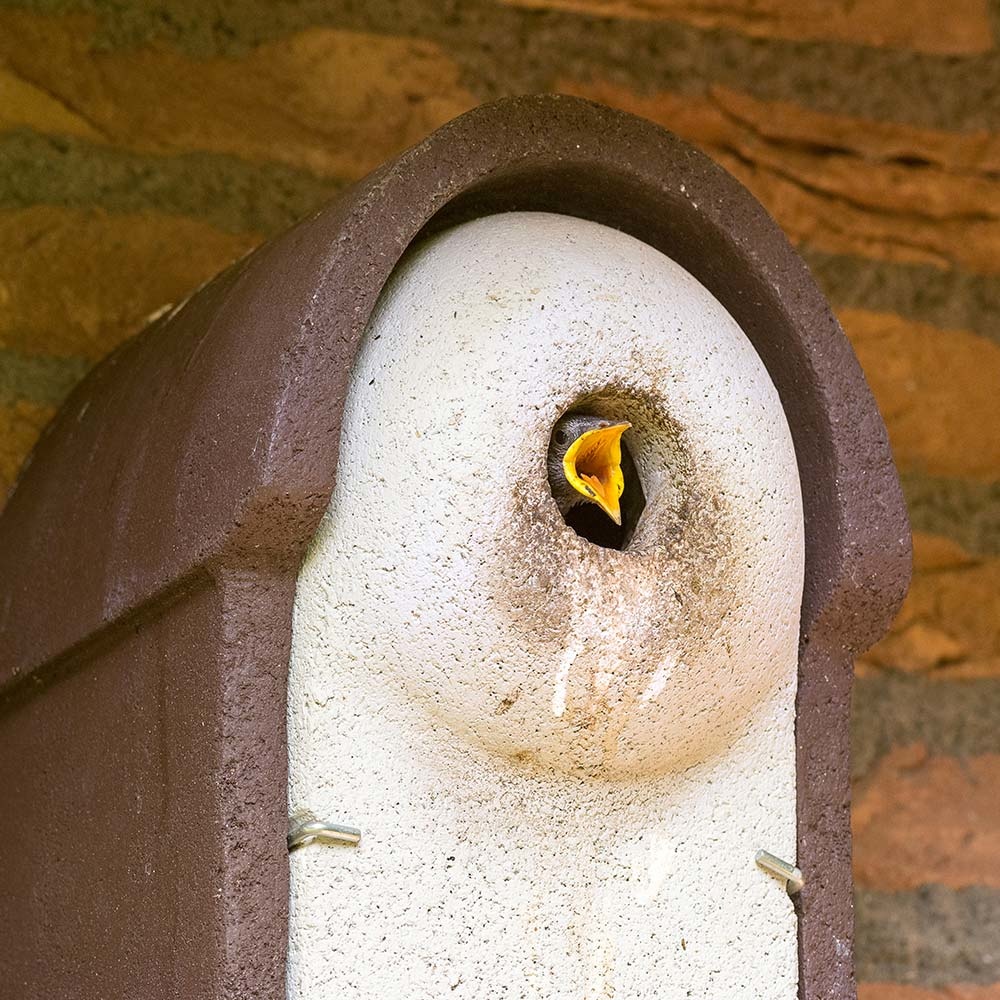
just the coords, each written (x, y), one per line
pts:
(659, 680)
(562, 677)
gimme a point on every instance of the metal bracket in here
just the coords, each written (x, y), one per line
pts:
(303, 829)
(782, 869)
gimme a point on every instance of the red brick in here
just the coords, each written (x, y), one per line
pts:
(899, 991)
(938, 391)
(859, 201)
(334, 102)
(23, 105)
(948, 622)
(920, 819)
(77, 282)
(877, 141)
(20, 425)
(917, 25)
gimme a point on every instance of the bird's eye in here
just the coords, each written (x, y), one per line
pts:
(561, 437)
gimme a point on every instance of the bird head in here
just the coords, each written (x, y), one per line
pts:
(585, 463)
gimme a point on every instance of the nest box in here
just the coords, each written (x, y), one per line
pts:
(302, 554)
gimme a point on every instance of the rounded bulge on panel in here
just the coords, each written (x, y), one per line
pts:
(452, 569)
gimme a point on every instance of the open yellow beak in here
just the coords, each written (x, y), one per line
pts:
(593, 467)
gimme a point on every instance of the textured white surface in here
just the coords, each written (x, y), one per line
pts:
(563, 757)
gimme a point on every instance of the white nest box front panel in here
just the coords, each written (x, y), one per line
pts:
(562, 756)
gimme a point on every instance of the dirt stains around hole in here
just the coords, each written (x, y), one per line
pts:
(611, 617)
(508, 702)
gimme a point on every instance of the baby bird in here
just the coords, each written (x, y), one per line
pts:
(585, 463)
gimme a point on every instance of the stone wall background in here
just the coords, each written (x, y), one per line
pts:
(143, 147)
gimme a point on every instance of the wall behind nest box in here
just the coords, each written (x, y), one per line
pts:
(143, 148)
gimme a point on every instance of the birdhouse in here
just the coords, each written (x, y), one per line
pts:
(456, 597)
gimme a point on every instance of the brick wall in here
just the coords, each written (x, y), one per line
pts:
(145, 146)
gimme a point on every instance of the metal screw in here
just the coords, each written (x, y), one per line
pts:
(304, 829)
(782, 869)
